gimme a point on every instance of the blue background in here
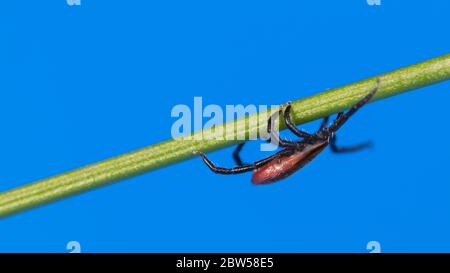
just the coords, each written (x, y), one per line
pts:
(80, 84)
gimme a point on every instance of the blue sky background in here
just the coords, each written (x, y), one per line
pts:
(80, 84)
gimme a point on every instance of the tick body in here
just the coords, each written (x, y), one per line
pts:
(284, 165)
(295, 154)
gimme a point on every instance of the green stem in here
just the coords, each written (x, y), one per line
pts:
(176, 150)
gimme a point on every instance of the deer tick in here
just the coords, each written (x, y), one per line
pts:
(295, 154)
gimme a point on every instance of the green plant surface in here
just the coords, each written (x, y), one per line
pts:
(175, 150)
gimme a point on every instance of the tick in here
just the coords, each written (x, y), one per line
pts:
(295, 154)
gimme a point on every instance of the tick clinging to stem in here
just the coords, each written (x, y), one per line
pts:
(295, 154)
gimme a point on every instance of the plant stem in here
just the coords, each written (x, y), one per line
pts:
(176, 150)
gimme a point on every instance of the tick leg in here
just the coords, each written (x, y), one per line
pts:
(342, 118)
(236, 156)
(324, 123)
(354, 148)
(220, 170)
(239, 169)
(291, 125)
(274, 135)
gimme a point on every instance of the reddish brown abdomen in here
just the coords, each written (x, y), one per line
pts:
(285, 165)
